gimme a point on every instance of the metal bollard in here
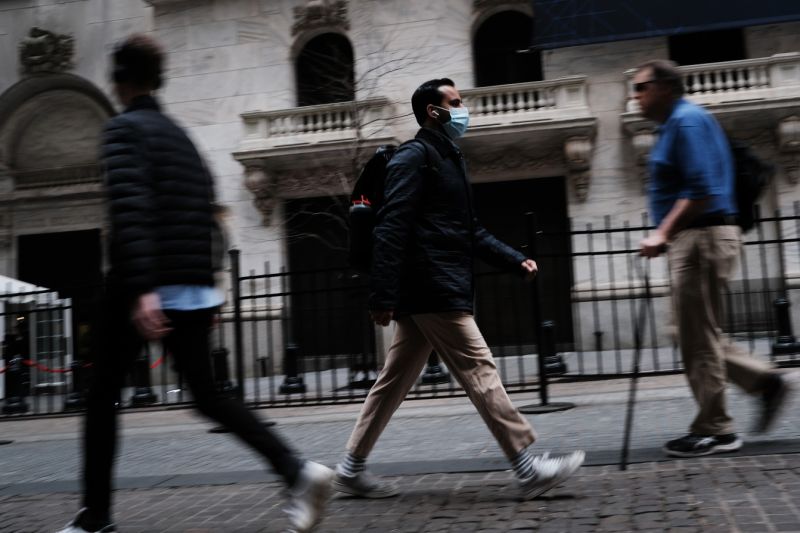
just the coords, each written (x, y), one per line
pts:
(434, 372)
(15, 402)
(77, 398)
(222, 377)
(554, 364)
(598, 341)
(143, 392)
(292, 383)
(785, 343)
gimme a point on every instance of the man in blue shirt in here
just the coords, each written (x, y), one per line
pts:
(693, 204)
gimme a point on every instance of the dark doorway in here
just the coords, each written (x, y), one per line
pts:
(504, 309)
(496, 50)
(328, 300)
(707, 47)
(70, 263)
(325, 71)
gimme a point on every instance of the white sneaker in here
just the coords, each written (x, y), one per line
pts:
(308, 496)
(363, 485)
(549, 472)
(73, 526)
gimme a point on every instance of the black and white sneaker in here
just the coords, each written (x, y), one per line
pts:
(76, 526)
(549, 472)
(693, 445)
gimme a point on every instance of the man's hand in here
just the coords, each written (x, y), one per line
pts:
(653, 245)
(148, 318)
(530, 268)
(382, 317)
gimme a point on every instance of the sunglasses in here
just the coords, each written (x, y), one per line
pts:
(641, 86)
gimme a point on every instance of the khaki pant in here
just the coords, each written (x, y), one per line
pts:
(701, 261)
(457, 340)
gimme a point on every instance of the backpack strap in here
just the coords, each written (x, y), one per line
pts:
(432, 163)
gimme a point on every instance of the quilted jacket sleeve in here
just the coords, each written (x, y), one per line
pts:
(129, 186)
(496, 252)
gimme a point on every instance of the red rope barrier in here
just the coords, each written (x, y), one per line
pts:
(158, 362)
(43, 368)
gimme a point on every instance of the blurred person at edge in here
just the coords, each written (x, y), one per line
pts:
(693, 204)
(160, 286)
(426, 241)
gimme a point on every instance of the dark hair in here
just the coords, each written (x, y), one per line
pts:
(426, 94)
(138, 60)
(665, 72)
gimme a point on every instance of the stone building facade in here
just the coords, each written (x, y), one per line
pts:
(568, 144)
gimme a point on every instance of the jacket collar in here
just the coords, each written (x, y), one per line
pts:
(439, 140)
(144, 101)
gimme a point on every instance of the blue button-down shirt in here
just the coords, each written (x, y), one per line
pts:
(691, 159)
(189, 297)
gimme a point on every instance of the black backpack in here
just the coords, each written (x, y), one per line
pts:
(365, 202)
(751, 175)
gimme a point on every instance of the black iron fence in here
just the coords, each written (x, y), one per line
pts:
(304, 337)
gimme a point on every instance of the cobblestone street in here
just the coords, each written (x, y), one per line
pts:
(175, 476)
(742, 494)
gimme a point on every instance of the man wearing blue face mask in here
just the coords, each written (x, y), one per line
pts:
(426, 239)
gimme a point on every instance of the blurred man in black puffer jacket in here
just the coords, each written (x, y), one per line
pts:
(426, 240)
(161, 286)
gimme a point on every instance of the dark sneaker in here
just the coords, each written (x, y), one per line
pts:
(308, 496)
(363, 485)
(772, 402)
(549, 472)
(693, 445)
(76, 527)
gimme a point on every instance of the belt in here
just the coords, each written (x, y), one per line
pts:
(706, 221)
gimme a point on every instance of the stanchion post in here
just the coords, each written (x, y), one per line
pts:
(143, 393)
(77, 398)
(15, 402)
(292, 382)
(434, 372)
(545, 406)
(786, 342)
(222, 376)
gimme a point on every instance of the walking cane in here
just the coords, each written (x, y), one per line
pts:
(638, 332)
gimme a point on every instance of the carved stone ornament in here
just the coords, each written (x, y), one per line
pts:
(789, 144)
(578, 153)
(265, 189)
(791, 167)
(580, 184)
(789, 134)
(320, 14)
(45, 51)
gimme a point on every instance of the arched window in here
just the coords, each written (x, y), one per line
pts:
(325, 71)
(496, 50)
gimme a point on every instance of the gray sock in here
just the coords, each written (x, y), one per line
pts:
(523, 464)
(351, 465)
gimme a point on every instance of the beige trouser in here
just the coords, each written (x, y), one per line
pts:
(701, 261)
(456, 338)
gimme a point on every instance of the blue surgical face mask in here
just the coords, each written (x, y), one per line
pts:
(458, 123)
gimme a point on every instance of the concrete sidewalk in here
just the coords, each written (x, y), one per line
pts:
(174, 474)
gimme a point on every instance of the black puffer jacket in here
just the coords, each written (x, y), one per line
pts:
(160, 197)
(427, 235)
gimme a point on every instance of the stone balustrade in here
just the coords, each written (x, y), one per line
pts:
(541, 100)
(326, 123)
(763, 78)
